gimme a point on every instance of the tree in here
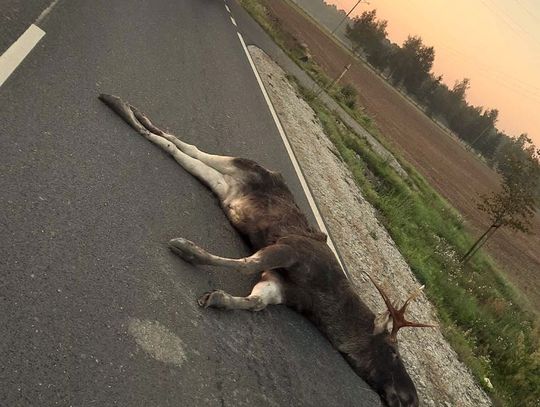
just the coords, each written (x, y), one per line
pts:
(411, 66)
(459, 113)
(460, 89)
(368, 33)
(515, 205)
(426, 93)
(485, 122)
(366, 29)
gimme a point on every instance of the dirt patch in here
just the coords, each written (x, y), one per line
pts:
(455, 173)
(366, 246)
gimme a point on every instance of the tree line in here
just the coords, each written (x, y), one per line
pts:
(409, 66)
(516, 159)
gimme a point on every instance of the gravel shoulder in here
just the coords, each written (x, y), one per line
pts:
(365, 245)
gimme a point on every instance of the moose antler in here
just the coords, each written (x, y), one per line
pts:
(398, 315)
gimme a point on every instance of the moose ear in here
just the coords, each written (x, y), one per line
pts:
(381, 322)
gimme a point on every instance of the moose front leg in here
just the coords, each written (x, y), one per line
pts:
(266, 292)
(268, 258)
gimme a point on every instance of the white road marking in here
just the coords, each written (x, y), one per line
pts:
(292, 157)
(234, 22)
(228, 9)
(46, 12)
(14, 55)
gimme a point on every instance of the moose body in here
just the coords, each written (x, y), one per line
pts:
(296, 265)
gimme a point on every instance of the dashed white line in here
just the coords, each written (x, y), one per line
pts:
(228, 9)
(233, 21)
(290, 151)
(14, 55)
(46, 12)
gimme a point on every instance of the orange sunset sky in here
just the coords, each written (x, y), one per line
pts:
(495, 43)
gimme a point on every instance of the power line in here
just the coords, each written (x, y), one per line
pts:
(347, 15)
(510, 22)
(527, 10)
(490, 68)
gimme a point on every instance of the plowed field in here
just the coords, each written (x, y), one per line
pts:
(454, 172)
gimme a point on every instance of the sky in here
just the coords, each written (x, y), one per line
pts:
(494, 43)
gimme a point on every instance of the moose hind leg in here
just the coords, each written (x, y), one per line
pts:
(205, 173)
(268, 291)
(222, 164)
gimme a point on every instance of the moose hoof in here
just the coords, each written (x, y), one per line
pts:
(187, 250)
(213, 299)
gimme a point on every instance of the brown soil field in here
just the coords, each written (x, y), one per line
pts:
(454, 172)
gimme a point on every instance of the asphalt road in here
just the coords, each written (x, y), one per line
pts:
(95, 309)
(16, 16)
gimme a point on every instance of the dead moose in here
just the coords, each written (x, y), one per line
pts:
(297, 267)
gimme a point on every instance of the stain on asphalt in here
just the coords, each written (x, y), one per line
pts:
(157, 341)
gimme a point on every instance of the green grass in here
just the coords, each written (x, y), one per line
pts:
(292, 47)
(482, 315)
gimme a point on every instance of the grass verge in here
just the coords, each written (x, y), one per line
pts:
(482, 315)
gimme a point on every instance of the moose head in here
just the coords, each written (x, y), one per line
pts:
(379, 362)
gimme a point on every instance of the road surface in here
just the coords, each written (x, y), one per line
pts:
(95, 309)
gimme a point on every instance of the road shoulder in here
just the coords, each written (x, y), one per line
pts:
(366, 245)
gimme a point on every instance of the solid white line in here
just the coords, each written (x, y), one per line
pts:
(14, 55)
(290, 151)
(234, 22)
(228, 9)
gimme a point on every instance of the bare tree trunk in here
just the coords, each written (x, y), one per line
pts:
(473, 247)
(479, 243)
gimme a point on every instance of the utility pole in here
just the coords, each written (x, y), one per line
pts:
(339, 77)
(348, 14)
(479, 137)
(350, 64)
(334, 81)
